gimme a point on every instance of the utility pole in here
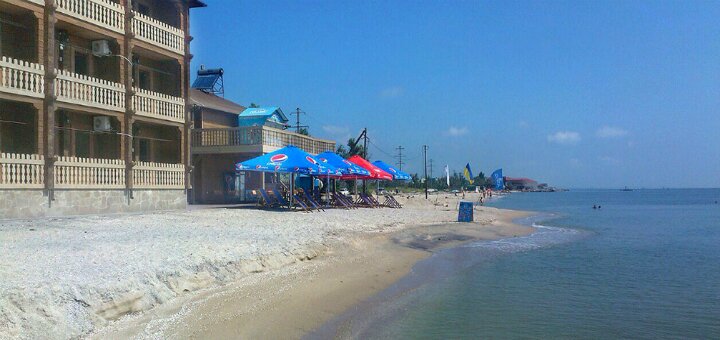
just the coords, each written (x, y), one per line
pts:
(365, 152)
(297, 120)
(399, 157)
(425, 149)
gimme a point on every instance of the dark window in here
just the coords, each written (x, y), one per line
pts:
(81, 64)
(82, 144)
(144, 80)
(144, 146)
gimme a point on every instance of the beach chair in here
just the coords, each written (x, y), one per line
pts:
(268, 201)
(301, 204)
(312, 202)
(280, 199)
(391, 202)
(339, 201)
(349, 201)
(365, 200)
(374, 200)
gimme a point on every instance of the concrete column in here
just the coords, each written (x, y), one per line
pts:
(127, 46)
(40, 127)
(184, 12)
(49, 108)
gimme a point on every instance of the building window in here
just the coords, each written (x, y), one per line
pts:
(81, 63)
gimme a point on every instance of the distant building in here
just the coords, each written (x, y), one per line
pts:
(225, 133)
(522, 184)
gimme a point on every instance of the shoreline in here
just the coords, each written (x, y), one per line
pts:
(294, 300)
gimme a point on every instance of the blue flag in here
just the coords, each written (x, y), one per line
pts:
(468, 173)
(498, 179)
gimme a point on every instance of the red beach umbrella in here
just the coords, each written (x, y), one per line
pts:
(375, 172)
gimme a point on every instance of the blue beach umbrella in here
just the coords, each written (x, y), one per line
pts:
(289, 159)
(396, 173)
(347, 169)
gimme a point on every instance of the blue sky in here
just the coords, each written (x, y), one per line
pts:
(575, 94)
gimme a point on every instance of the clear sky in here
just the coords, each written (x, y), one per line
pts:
(575, 94)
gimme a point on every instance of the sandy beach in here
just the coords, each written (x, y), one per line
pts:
(217, 273)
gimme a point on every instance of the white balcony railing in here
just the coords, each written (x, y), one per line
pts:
(149, 175)
(158, 105)
(228, 139)
(21, 171)
(78, 89)
(103, 13)
(22, 77)
(89, 173)
(156, 32)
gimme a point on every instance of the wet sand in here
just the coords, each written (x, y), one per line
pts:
(291, 301)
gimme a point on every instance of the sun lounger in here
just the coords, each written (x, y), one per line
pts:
(339, 201)
(301, 204)
(364, 199)
(391, 202)
(312, 202)
(268, 202)
(349, 201)
(280, 199)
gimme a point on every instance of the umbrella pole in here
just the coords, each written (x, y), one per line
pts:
(327, 191)
(292, 190)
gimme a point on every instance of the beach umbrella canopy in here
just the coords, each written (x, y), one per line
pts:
(348, 170)
(375, 172)
(289, 159)
(396, 173)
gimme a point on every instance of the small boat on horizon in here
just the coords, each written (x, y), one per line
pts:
(626, 189)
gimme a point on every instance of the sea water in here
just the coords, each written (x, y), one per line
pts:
(645, 265)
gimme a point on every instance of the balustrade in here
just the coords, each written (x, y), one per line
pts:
(21, 171)
(158, 33)
(149, 175)
(89, 173)
(88, 91)
(158, 105)
(103, 13)
(22, 77)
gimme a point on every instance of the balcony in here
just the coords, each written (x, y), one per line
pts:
(150, 175)
(255, 139)
(21, 171)
(157, 105)
(158, 33)
(26, 171)
(102, 13)
(22, 77)
(73, 88)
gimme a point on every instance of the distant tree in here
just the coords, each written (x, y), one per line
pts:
(254, 106)
(304, 131)
(353, 148)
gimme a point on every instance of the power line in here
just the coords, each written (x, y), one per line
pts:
(425, 149)
(297, 113)
(399, 156)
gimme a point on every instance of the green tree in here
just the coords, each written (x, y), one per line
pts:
(304, 131)
(254, 106)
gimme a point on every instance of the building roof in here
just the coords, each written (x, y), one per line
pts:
(211, 101)
(263, 112)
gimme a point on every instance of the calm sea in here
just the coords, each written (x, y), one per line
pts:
(644, 266)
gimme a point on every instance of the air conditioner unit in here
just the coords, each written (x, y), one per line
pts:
(101, 47)
(101, 124)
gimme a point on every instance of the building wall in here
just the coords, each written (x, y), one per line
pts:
(32, 203)
(209, 185)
